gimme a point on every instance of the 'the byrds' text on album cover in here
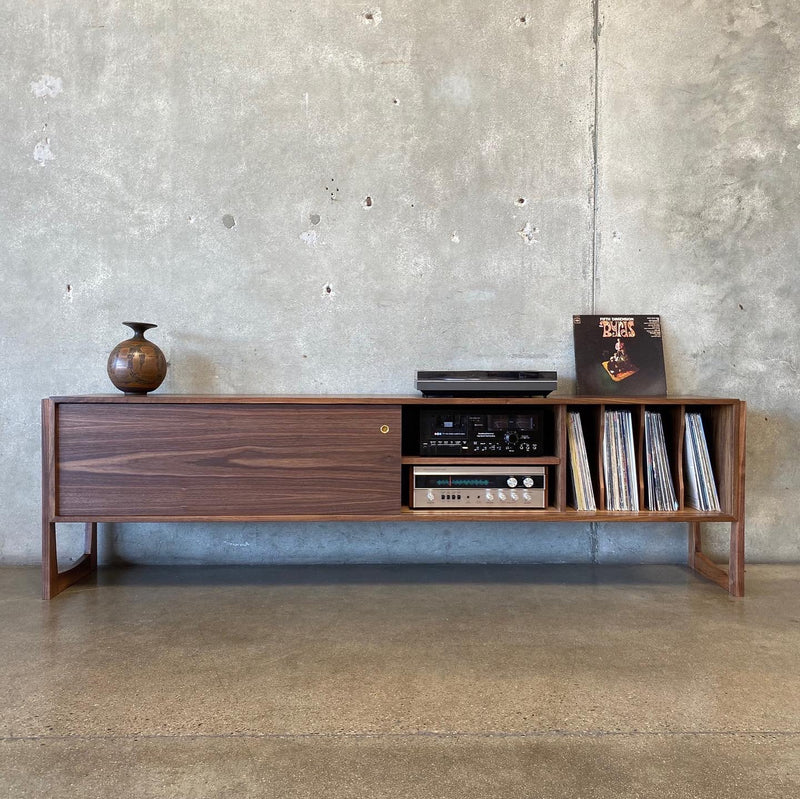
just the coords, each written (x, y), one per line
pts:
(619, 356)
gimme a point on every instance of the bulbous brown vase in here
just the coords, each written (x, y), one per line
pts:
(136, 365)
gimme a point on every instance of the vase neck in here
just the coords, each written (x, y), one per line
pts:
(139, 328)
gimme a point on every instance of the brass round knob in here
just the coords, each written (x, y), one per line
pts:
(384, 428)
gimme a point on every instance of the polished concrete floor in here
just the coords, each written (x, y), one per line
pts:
(401, 681)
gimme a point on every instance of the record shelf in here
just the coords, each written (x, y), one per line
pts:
(205, 458)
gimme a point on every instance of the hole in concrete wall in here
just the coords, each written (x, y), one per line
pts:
(521, 201)
(367, 202)
(228, 221)
(396, 101)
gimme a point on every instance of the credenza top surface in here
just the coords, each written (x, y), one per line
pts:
(382, 399)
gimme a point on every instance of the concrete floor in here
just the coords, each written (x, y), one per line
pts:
(401, 681)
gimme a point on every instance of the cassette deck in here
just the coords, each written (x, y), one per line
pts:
(491, 432)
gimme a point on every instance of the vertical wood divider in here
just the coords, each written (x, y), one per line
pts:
(49, 553)
(680, 433)
(736, 568)
(600, 500)
(641, 456)
(561, 453)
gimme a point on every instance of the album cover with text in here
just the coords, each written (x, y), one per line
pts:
(619, 356)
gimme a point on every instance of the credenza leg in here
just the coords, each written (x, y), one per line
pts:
(732, 578)
(736, 570)
(695, 544)
(54, 581)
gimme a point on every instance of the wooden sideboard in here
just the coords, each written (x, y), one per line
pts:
(194, 458)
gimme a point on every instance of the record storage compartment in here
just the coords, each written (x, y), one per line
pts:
(250, 458)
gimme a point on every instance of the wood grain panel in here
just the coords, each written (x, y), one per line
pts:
(236, 460)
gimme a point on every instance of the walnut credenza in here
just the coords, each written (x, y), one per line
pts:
(310, 458)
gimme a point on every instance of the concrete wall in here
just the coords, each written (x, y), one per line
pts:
(323, 197)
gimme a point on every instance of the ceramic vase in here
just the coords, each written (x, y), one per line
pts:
(136, 365)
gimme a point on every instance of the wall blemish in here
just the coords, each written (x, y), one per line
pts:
(528, 234)
(47, 86)
(314, 219)
(310, 237)
(372, 16)
(229, 221)
(367, 202)
(332, 189)
(42, 152)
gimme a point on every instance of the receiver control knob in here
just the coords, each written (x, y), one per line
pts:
(526, 495)
(528, 482)
(511, 438)
(430, 496)
(489, 496)
(501, 495)
(514, 496)
(511, 482)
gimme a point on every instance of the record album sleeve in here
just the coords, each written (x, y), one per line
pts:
(619, 356)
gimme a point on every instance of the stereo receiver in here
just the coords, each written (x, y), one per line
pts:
(447, 432)
(485, 487)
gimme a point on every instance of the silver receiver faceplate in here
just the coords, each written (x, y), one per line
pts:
(484, 487)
